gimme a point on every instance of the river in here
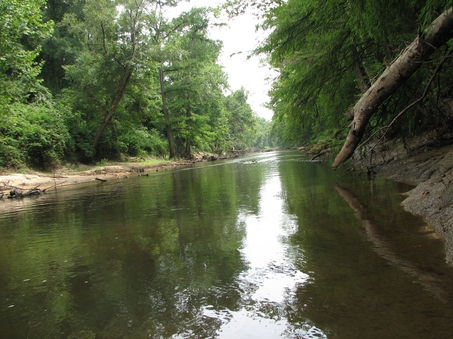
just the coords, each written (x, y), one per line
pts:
(270, 245)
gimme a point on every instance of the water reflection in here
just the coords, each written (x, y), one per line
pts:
(258, 247)
(271, 278)
(430, 280)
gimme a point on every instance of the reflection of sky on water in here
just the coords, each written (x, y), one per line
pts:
(271, 278)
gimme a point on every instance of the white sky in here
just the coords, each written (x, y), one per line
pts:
(240, 37)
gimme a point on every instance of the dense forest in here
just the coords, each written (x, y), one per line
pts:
(351, 72)
(93, 80)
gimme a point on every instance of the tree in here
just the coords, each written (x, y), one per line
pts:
(190, 81)
(194, 82)
(22, 30)
(63, 47)
(331, 52)
(242, 120)
(164, 54)
(117, 40)
(437, 34)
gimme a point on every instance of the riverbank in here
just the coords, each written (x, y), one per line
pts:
(67, 176)
(83, 173)
(428, 166)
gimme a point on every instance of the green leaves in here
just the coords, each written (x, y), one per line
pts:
(329, 52)
(101, 66)
(32, 135)
(21, 33)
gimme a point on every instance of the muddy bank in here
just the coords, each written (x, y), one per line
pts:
(428, 166)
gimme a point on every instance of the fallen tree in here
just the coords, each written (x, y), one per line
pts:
(437, 34)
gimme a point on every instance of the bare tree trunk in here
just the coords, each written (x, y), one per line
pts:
(188, 150)
(437, 34)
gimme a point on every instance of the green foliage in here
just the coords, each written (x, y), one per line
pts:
(141, 142)
(100, 61)
(242, 120)
(329, 52)
(21, 33)
(34, 136)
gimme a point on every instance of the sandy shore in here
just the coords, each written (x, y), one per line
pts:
(65, 176)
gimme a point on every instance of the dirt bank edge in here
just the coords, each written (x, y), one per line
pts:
(430, 168)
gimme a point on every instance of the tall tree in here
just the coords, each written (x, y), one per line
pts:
(194, 80)
(116, 36)
(164, 53)
(63, 47)
(190, 80)
(242, 120)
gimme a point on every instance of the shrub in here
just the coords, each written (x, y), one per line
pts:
(32, 135)
(138, 142)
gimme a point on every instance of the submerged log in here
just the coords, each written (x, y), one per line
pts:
(17, 193)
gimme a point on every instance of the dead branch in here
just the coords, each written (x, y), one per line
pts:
(415, 102)
(439, 33)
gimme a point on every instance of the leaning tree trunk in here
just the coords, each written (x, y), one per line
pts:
(437, 34)
(124, 83)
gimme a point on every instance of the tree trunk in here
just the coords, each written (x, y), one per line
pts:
(171, 141)
(437, 34)
(119, 95)
(188, 150)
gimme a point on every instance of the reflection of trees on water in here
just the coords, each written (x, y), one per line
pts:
(385, 248)
(351, 289)
(141, 258)
(163, 256)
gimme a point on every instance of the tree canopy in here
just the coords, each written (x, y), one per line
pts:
(116, 78)
(86, 80)
(329, 53)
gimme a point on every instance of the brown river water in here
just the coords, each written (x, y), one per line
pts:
(266, 246)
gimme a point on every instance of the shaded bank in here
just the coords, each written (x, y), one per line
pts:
(428, 166)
